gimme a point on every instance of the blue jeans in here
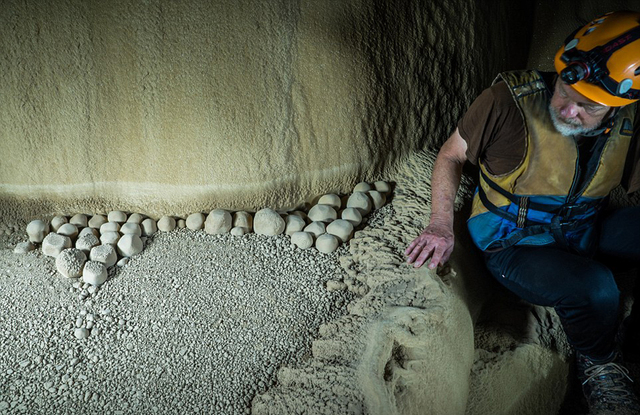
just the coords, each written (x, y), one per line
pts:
(581, 289)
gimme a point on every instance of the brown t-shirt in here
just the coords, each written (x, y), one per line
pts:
(494, 131)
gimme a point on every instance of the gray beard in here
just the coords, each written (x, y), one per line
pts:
(565, 128)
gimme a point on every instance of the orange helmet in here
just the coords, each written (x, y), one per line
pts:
(602, 59)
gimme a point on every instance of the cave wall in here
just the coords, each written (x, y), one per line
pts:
(166, 107)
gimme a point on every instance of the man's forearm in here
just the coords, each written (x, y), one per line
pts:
(444, 186)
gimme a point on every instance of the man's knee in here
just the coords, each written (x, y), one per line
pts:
(599, 291)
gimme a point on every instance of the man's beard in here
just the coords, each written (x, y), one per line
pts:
(568, 128)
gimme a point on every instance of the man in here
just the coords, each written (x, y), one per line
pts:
(551, 147)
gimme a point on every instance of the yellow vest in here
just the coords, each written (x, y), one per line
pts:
(538, 202)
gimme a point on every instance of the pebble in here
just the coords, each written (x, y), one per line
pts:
(87, 241)
(80, 333)
(105, 254)
(182, 223)
(130, 245)
(326, 243)
(135, 218)
(378, 199)
(382, 187)
(69, 230)
(293, 224)
(316, 228)
(37, 230)
(268, 222)
(238, 231)
(303, 240)
(130, 228)
(218, 222)
(362, 187)
(80, 220)
(110, 238)
(57, 222)
(322, 213)
(117, 216)
(122, 262)
(70, 262)
(85, 231)
(195, 221)
(360, 201)
(53, 244)
(97, 221)
(24, 247)
(243, 220)
(330, 199)
(166, 224)
(109, 227)
(341, 229)
(94, 273)
(149, 227)
(353, 215)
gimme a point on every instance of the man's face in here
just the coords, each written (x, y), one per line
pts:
(572, 113)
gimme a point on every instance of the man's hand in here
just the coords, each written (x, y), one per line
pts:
(435, 242)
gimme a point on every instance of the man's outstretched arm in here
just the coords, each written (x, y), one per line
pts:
(436, 241)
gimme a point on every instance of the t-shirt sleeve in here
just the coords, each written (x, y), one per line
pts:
(494, 130)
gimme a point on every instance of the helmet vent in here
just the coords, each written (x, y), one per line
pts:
(571, 45)
(624, 86)
(637, 71)
(591, 29)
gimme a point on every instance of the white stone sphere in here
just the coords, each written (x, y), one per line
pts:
(135, 218)
(378, 199)
(80, 220)
(110, 237)
(24, 247)
(218, 222)
(316, 228)
(195, 221)
(149, 227)
(92, 231)
(94, 273)
(243, 220)
(238, 231)
(105, 254)
(181, 223)
(70, 262)
(109, 227)
(69, 230)
(353, 215)
(341, 229)
(360, 201)
(301, 214)
(87, 241)
(382, 187)
(166, 224)
(130, 228)
(293, 224)
(97, 221)
(130, 245)
(57, 222)
(330, 199)
(268, 222)
(303, 240)
(322, 213)
(362, 187)
(117, 216)
(53, 244)
(327, 243)
(37, 230)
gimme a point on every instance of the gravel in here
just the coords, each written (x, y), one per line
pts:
(195, 323)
